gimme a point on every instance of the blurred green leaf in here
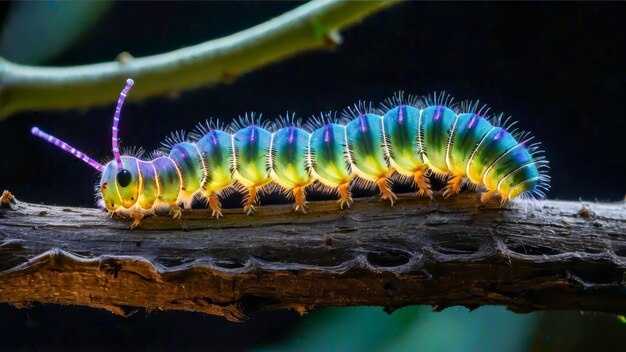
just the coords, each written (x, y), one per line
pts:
(348, 329)
(457, 329)
(411, 329)
(37, 31)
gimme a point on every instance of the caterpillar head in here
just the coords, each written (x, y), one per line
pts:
(119, 185)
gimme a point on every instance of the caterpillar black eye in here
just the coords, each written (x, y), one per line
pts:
(124, 177)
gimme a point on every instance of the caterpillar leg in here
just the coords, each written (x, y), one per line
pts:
(137, 217)
(487, 196)
(422, 182)
(453, 187)
(249, 206)
(175, 211)
(215, 205)
(300, 199)
(345, 195)
(6, 197)
(384, 186)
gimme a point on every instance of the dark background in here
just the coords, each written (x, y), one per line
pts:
(558, 68)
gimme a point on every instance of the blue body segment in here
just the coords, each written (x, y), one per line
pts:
(217, 151)
(436, 125)
(469, 131)
(149, 188)
(495, 144)
(522, 179)
(401, 130)
(168, 179)
(290, 150)
(252, 146)
(328, 152)
(186, 157)
(515, 158)
(365, 135)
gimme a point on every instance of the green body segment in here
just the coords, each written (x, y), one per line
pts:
(328, 155)
(365, 135)
(290, 149)
(401, 126)
(436, 125)
(216, 149)
(469, 131)
(149, 189)
(495, 144)
(506, 164)
(189, 162)
(252, 146)
(168, 179)
(524, 178)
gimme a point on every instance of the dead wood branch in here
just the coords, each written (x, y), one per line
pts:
(564, 255)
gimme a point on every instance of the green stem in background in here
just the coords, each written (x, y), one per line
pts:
(311, 26)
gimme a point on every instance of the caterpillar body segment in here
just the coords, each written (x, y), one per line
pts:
(403, 141)
(365, 139)
(191, 171)
(436, 128)
(409, 138)
(149, 190)
(330, 160)
(216, 150)
(289, 161)
(251, 145)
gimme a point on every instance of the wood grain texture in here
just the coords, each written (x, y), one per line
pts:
(441, 252)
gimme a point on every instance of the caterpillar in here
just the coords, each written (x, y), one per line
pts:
(405, 140)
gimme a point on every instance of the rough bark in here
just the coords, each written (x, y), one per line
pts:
(559, 255)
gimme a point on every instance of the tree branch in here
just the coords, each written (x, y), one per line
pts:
(565, 255)
(310, 26)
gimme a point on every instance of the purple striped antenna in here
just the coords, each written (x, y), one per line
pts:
(68, 148)
(116, 121)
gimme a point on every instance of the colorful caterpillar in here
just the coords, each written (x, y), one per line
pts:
(411, 138)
